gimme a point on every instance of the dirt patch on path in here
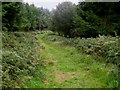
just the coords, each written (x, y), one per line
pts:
(61, 77)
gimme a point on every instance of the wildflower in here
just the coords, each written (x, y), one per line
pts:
(33, 61)
(88, 55)
(27, 55)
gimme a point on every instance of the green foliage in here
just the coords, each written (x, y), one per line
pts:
(23, 17)
(20, 61)
(103, 48)
(61, 18)
(10, 13)
(86, 57)
(87, 19)
(33, 18)
(82, 28)
(95, 18)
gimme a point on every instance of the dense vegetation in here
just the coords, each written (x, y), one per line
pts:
(19, 62)
(92, 28)
(87, 19)
(23, 17)
(103, 51)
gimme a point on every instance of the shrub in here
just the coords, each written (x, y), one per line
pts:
(19, 60)
(102, 46)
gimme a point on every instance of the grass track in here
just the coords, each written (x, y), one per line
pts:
(66, 68)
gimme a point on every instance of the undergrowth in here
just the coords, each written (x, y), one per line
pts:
(20, 63)
(23, 65)
(104, 49)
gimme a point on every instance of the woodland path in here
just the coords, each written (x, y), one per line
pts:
(63, 69)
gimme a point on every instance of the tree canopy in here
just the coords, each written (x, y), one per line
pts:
(23, 17)
(62, 18)
(87, 19)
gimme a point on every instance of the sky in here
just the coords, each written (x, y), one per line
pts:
(49, 4)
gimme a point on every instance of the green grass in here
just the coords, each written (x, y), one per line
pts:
(66, 68)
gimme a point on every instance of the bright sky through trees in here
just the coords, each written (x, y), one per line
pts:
(50, 4)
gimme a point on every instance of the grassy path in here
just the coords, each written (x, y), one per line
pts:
(65, 68)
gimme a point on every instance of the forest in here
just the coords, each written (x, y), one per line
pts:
(72, 46)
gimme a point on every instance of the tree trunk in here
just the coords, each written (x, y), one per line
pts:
(40, 24)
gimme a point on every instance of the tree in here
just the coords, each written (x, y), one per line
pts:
(95, 18)
(62, 18)
(44, 14)
(23, 17)
(10, 14)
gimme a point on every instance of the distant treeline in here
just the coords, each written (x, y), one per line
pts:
(87, 19)
(23, 17)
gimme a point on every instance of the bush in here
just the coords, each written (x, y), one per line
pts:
(102, 46)
(19, 60)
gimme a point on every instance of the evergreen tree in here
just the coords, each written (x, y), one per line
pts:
(62, 18)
